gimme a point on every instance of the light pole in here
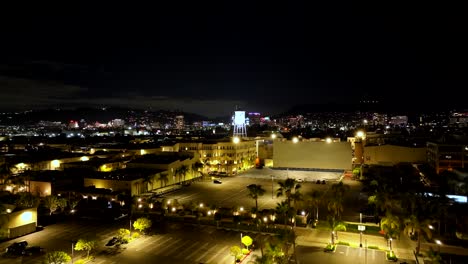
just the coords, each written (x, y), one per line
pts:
(271, 186)
(366, 252)
(360, 233)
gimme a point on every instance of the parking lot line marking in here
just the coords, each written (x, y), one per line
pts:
(195, 243)
(163, 246)
(195, 251)
(169, 252)
(219, 252)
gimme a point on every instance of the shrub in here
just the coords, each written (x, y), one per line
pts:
(373, 247)
(330, 247)
(343, 243)
(135, 235)
(391, 256)
(245, 251)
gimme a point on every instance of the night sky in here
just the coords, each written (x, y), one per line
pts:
(207, 58)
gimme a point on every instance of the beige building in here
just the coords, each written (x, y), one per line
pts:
(222, 156)
(147, 173)
(328, 154)
(391, 155)
(18, 222)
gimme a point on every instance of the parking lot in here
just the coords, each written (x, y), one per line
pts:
(233, 189)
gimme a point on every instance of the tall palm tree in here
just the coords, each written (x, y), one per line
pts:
(196, 167)
(182, 171)
(5, 172)
(391, 224)
(339, 189)
(285, 211)
(255, 190)
(335, 206)
(419, 225)
(335, 226)
(163, 178)
(148, 179)
(313, 199)
(287, 188)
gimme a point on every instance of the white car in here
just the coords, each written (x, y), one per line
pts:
(300, 180)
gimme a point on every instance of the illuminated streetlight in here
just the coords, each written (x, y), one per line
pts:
(236, 140)
(273, 136)
(303, 213)
(295, 140)
(201, 205)
(360, 134)
(438, 242)
(241, 209)
(328, 140)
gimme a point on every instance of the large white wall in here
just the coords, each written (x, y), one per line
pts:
(306, 154)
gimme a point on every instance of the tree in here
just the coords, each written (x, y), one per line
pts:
(335, 206)
(247, 241)
(236, 252)
(62, 203)
(123, 235)
(391, 224)
(56, 257)
(52, 203)
(287, 188)
(285, 211)
(418, 225)
(26, 200)
(434, 256)
(148, 179)
(182, 171)
(335, 226)
(255, 190)
(162, 177)
(313, 200)
(86, 244)
(142, 224)
(196, 167)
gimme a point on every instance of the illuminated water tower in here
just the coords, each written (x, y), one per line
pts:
(239, 124)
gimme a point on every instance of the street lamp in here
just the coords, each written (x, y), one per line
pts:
(271, 186)
(438, 242)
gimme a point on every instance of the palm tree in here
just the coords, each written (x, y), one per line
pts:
(297, 197)
(335, 226)
(285, 211)
(148, 179)
(182, 171)
(335, 206)
(255, 190)
(391, 224)
(196, 167)
(287, 188)
(162, 177)
(339, 189)
(5, 172)
(419, 225)
(313, 200)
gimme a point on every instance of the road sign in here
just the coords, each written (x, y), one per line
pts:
(361, 227)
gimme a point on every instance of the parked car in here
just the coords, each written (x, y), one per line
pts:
(114, 241)
(34, 250)
(17, 248)
(300, 180)
(217, 181)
